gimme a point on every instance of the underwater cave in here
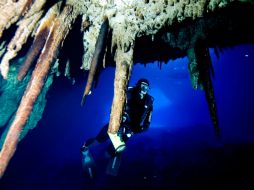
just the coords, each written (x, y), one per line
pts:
(65, 66)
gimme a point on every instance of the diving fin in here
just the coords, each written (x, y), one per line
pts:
(88, 163)
(114, 165)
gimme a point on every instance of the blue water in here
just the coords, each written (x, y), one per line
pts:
(179, 151)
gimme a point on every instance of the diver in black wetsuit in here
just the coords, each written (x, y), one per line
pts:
(136, 119)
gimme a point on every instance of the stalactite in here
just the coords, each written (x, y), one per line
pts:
(23, 32)
(39, 40)
(120, 84)
(2, 48)
(99, 48)
(209, 93)
(56, 36)
(122, 75)
(11, 11)
(25, 29)
(205, 69)
(193, 67)
(104, 59)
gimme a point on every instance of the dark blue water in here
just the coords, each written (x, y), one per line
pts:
(179, 151)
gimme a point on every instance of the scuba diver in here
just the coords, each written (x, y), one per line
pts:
(136, 119)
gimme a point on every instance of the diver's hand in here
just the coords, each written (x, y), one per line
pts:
(120, 134)
(83, 148)
(129, 134)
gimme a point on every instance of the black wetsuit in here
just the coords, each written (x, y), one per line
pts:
(139, 111)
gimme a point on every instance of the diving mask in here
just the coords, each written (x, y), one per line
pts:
(144, 88)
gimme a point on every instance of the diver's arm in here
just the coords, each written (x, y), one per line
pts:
(147, 121)
(128, 99)
(120, 132)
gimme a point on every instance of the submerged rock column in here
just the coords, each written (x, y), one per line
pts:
(122, 74)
